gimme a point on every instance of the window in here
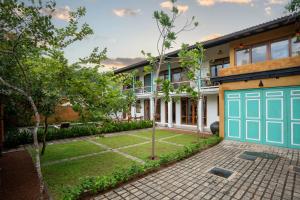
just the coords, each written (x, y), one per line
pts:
(138, 106)
(174, 112)
(280, 49)
(270, 50)
(259, 53)
(157, 115)
(242, 57)
(217, 65)
(188, 111)
(147, 83)
(295, 46)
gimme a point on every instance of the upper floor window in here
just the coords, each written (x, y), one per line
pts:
(217, 65)
(295, 46)
(259, 53)
(270, 50)
(280, 49)
(243, 57)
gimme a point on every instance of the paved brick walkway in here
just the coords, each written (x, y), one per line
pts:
(259, 179)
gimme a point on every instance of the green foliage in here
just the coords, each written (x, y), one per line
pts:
(15, 138)
(125, 126)
(98, 184)
(293, 6)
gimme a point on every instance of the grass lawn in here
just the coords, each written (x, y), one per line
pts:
(68, 150)
(59, 175)
(68, 173)
(144, 151)
(159, 134)
(120, 140)
(184, 139)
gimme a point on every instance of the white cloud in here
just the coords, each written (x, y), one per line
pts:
(182, 8)
(58, 13)
(211, 36)
(122, 12)
(268, 10)
(213, 2)
(206, 2)
(278, 2)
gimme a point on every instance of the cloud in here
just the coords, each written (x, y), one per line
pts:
(120, 62)
(211, 36)
(122, 12)
(278, 2)
(182, 8)
(58, 13)
(213, 2)
(268, 10)
(206, 2)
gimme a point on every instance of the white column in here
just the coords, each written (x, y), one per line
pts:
(133, 111)
(162, 112)
(170, 114)
(178, 112)
(151, 108)
(200, 114)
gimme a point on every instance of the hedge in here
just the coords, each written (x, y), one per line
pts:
(98, 184)
(14, 137)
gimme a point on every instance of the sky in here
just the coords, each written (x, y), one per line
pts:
(125, 27)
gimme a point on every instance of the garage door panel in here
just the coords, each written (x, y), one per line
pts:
(295, 133)
(234, 128)
(274, 108)
(253, 130)
(253, 108)
(295, 118)
(274, 132)
(234, 108)
(295, 108)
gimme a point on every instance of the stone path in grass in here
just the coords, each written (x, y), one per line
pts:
(109, 149)
(262, 178)
(118, 152)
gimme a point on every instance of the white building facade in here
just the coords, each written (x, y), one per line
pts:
(181, 111)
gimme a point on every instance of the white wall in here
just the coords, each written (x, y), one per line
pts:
(212, 110)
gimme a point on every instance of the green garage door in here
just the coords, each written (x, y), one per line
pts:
(266, 116)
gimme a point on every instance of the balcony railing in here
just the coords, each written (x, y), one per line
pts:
(205, 82)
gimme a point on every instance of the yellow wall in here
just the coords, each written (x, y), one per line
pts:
(262, 66)
(268, 83)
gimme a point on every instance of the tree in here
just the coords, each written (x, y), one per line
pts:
(191, 61)
(48, 75)
(166, 24)
(27, 33)
(293, 6)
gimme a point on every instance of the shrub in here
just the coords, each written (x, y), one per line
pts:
(110, 127)
(14, 137)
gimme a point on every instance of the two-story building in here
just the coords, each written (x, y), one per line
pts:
(250, 83)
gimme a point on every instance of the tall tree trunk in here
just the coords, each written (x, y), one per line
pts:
(45, 135)
(35, 138)
(153, 128)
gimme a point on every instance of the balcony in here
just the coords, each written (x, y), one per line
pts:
(205, 84)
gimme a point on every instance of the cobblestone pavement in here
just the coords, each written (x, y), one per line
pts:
(189, 179)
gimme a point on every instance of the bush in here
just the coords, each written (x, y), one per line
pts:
(110, 127)
(101, 183)
(14, 137)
